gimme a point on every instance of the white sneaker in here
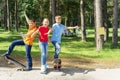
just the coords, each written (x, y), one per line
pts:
(43, 68)
(47, 66)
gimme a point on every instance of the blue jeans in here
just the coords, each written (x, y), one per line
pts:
(28, 50)
(44, 51)
(57, 49)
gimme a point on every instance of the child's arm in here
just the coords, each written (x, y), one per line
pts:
(34, 33)
(26, 17)
(28, 34)
(72, 27)
(50, 30)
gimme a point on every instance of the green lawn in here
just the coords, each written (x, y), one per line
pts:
(71, 47)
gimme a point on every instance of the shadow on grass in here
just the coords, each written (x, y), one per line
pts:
(74, 38)
(90, 43)
(75, 42)
(85, 57)
(108, 44)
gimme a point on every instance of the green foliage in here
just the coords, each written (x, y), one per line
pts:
(31, 7)
(70, 9)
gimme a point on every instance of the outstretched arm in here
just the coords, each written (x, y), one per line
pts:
(34, 33)
(75, 27)
(31, 34)
(26, 17)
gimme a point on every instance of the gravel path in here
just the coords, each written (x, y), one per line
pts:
(64, 74)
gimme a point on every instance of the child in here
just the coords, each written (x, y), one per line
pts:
(27, 41)
(43, 43)
(57, 30)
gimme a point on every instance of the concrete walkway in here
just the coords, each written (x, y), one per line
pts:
(64, 74)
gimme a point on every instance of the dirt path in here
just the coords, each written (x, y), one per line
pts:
(73, 69)
(66, 63)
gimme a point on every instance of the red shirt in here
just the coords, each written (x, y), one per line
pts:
(43, 36)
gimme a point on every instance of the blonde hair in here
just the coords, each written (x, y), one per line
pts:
(45, 19)
(57, 17)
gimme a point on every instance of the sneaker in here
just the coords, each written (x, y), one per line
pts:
(57, 64)
(43, 69)
(43, 72)
(27, 69)
(47, 66)
(5, 54)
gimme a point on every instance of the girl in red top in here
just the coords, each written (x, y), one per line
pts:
(43, 43)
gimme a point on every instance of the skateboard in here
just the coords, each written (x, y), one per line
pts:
(11, 60)
(57, 64)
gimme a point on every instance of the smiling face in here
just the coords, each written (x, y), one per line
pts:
(45, 22)
(31, 24)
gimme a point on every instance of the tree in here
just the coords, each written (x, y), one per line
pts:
(8, 16)
(98, 24)
(5, 13)
(105, 18)
(16, 15)
(41, 9)
(115, 23)
(82, 13)
(52, 11)
(57, 7)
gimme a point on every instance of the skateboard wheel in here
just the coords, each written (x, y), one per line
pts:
(59, 66)
(55, 66)
(9, 62)
(19, 69)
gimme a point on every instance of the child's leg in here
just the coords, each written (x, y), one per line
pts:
(46, 51)
(44, 47)
(28, 56)
(13, 44)
(57, 49)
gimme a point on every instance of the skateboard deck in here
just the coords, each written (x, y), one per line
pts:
(57, 64)
(11, 60)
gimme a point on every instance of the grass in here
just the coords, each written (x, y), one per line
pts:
(71, 47)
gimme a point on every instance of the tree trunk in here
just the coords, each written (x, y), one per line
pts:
(16, 15)
(5, 15)
(52, 11)
(41, 10)
(8, 16)
(57, 7)
(98, 24)
(105, 19)
(90, 19)
(83, 30)
(115, 23)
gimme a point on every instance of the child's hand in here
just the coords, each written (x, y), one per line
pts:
(23, 36)
(76, 27)
(46, 33)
